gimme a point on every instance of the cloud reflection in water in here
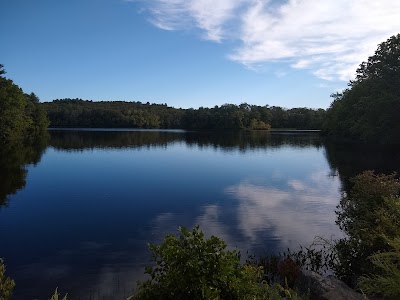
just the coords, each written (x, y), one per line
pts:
(258, 217)
(294, 214)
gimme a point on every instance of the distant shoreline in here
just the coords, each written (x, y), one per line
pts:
(179, 130)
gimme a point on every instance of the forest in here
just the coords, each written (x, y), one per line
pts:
(121, 114)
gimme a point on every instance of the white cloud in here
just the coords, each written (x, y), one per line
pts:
(330, 38)
(210, 16)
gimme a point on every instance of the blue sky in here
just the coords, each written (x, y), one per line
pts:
(191, 53)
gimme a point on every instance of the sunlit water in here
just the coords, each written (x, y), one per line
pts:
(85, 211)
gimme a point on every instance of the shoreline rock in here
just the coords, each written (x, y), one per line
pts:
(325, 288)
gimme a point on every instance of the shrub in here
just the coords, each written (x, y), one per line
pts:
(388, 283)
(6, 283)
(369, 215)
(190, 266)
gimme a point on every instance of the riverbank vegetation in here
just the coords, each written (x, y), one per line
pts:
(369, 215)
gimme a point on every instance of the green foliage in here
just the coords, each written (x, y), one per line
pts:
(36, 114)
(387, 283)
(12, 110)
(190, 266)
(56, 296)
(111, 114)
(20, 114)
(259, 125)
(114, 114)
(369, 215)
(367, 110)
(6, 283)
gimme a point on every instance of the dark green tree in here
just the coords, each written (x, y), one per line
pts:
(368, 109)
(2, 71)
(21, 115)
(12, 109)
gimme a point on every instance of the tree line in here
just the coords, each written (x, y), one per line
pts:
(121, 114)
(366, 111)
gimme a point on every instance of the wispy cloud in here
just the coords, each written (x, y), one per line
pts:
(330, 38)
(212, 17)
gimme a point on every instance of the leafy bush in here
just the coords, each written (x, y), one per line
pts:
(6, 283)
(193, 267)
(388, 283)
(369, 215)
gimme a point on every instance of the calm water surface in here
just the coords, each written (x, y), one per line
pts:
(79, 209)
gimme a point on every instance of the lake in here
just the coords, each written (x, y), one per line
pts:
(78, 208)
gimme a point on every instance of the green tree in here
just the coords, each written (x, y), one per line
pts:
(36, 114)
(368, 109)
(80, 113)
(21, 115)
(13, 122)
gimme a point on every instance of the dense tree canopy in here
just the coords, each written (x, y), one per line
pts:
(368, 109)
(114, 114)
(20, 114)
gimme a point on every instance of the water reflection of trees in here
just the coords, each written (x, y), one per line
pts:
(14, 157)
(251, 140)
(227, 141)
(350, 159)
(71, 140)
(346, 159)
